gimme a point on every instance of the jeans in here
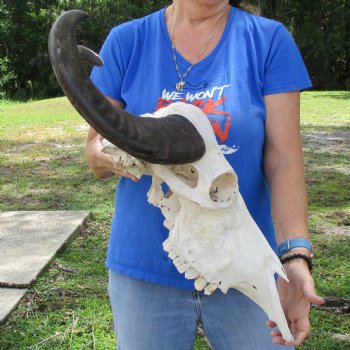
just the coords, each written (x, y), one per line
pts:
(148, 316)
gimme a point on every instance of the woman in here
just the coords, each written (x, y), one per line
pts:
(246, 74)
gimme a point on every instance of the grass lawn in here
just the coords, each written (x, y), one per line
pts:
(42, 167)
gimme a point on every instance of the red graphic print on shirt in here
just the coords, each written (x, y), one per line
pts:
(210, 101)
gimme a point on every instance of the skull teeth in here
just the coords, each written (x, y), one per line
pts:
(200, 283)
(181, 268)
(173, 255)
(177, 261)
(167, 245)
(191, 274)
(180, 265)
(210, 288)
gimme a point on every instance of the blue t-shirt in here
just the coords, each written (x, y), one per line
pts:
(255, 57)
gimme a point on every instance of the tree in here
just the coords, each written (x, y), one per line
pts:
(321, 30)
(25, 69)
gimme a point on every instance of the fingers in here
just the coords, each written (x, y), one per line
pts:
(102, 164)
(271, 324)
(299, 329)
(277, 338)
(107, 161)
(130, 176)
(299, 338)
(315, 299)
(310, 294)
(276, 334)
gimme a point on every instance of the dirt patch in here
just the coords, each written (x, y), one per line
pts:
(82, 128)
(333, 230)
(25, 148)
(344, 170)
(336, 305)
(336, 223)
(342, 217)
(341, 337)
(330, 142)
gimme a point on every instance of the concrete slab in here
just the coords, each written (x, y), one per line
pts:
(29, 240)
(9, 299)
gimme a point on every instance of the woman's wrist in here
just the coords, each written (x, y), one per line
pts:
(298, 250)
(297, 258)
(295, 244)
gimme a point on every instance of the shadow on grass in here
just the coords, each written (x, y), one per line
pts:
(339, 96)
(8, 145)
(56, 183)
(328, 179)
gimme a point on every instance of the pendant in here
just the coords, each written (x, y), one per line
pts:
(180, 85)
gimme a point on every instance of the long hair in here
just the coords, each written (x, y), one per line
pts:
(245, 6)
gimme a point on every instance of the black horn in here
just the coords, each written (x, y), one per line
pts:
(168, 140)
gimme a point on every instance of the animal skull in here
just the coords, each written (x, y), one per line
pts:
(212, 237)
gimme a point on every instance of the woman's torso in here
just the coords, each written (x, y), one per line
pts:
(228, 85)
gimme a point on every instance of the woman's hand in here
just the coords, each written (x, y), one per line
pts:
(284, 169)
(296, 297)
(102, 164)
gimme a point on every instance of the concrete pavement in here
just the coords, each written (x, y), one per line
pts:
(29, 241)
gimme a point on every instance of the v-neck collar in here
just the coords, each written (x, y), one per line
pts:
(181, 60)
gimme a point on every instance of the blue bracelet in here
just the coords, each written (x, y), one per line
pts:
(289, 244)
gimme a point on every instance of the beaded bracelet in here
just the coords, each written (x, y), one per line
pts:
(298, 256)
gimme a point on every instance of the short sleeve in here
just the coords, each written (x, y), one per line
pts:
(284, 68)
(109, 77)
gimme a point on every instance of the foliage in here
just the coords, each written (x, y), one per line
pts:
(320, 29)
(25, 70)
(7, 76)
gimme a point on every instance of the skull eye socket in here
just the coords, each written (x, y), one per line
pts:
(186, 173)
(223, 187)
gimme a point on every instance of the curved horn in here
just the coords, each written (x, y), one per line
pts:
(88, 56)
(168, 140)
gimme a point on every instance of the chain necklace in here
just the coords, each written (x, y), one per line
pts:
(180, 85)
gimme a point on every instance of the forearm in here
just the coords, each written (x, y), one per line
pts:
(289, 199)
(284, 167)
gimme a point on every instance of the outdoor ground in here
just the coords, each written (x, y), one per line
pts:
(42, 167)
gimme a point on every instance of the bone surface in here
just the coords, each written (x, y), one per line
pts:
(212, 237)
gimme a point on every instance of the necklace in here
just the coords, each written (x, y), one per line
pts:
(180, 85)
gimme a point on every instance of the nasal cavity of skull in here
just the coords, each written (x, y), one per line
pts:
(186, 173)
(223, 187)
(166, 191)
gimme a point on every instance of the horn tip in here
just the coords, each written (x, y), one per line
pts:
(77, 13)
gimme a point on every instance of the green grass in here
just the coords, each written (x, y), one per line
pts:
(42, 167)
(325, 110)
